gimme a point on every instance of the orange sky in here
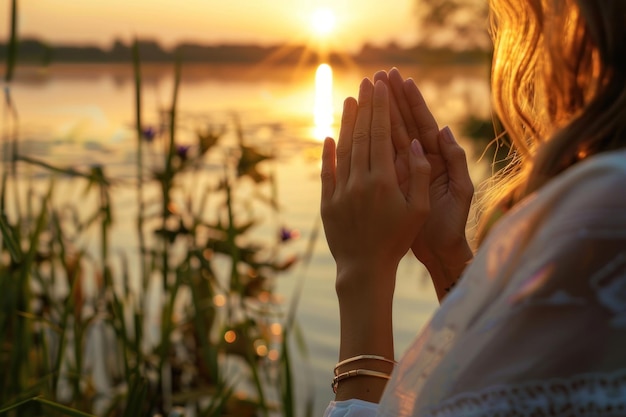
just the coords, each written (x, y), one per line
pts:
(211, 21)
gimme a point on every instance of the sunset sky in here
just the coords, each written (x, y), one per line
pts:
(213, 21)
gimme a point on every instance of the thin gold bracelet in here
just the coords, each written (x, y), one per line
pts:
(356, 372)
(361, 357)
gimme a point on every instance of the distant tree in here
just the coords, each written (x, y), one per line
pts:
(151, 50)
(34, 50)
(120, 51)
(457, 24)
(463, 25)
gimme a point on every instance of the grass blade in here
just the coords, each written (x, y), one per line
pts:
(136, 397)
(12, 46)
(9, 240)
(15, 405)
(62, 408)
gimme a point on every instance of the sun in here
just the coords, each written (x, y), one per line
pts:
(323, 21)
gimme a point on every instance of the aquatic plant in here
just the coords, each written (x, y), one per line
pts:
(186, 323)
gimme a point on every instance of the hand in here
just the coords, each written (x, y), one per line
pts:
(369, 221)
(441, 244)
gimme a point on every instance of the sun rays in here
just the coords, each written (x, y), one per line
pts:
(317, 45)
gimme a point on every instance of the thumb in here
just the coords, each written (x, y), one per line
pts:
(418, 197)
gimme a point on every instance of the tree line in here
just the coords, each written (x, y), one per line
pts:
(36, 51)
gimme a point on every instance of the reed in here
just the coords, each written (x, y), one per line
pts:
(69, 350)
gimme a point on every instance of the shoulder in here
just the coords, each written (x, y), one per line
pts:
(589, 194)
(577, 217)
(573, 228)
(602, 175)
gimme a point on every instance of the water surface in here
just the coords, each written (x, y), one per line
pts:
(81, 115)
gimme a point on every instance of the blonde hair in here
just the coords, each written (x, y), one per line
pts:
(559, 89)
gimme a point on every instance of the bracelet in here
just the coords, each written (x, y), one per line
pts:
(360, 357)
(449, 288)
(356, 372)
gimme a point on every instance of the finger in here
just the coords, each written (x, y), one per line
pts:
(381, 149)
(456, 163)
(418, 197)
(424, 121)
(344, 145)
(399, 132)
(382, 76)
(403, 127)
(328, 170)
(361, 135)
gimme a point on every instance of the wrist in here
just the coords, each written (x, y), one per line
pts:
(445, 270)
(366, 283)
(365, 296)
(368, 331)
(365, 310)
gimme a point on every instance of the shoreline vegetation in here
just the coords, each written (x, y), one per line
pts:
(184, 323)
(36, 51)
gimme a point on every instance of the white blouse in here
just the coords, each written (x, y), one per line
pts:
(537, 325)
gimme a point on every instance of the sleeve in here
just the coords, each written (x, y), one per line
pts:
(554, 338)
(351, 408)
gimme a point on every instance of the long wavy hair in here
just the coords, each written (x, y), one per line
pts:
(559, 89)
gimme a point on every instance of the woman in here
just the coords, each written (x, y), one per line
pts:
(536, 324)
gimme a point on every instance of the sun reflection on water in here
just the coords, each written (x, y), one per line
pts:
(323, 110)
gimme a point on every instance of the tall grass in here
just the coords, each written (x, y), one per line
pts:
(203, 285)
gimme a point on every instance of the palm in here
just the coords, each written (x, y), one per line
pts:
(450, 196)
(446, 223)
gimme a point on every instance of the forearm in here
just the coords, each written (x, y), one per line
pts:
(366, 329)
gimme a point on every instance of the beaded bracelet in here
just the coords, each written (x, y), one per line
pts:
(361, 357)
(356, 372)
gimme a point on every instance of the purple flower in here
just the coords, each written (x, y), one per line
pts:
(182, 151)
(288, 234)
(149, 133)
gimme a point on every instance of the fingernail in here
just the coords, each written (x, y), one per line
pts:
(447, 135)
(416, 148)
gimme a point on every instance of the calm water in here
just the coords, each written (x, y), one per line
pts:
(82, 114)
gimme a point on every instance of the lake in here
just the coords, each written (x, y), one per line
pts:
(81, 115)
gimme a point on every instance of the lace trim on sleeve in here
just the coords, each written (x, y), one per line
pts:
(583, 395)
(351, 408)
